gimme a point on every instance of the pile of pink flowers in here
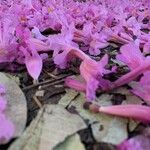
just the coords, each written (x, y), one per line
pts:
(81, 29)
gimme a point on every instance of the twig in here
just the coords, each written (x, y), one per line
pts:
(37, 101)
(51, 84)
(44, 82)
(50, 74)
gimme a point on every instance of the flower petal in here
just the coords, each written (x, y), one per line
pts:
(136, 143)
(138, 112)
(131, 55)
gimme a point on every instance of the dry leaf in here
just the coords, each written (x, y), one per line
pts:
(71, 143)
(51, 127)
(14, 78)
(104, 100)
(132, 125)
(130, 97)
(68, 97)
(110, 130)
(16, 107)
(110, 124)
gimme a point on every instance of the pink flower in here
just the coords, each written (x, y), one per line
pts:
(131, 55)
(3, 104)
(8, 44)
(97, 42)
(33, 61)
(138, 112)
(136, 143)
(6, 129)
(30, 47)
(74, 84)
(92, 72)
(142, 88)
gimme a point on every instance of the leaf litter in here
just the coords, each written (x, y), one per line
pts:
(51, 127)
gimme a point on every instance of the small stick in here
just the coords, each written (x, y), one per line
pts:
(44, 82)
(50, 74)
(37, 101)
(51, 84)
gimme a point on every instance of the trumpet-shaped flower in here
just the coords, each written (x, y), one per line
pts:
(131, 55)
(92, 73)
(142, 88)
(138, 112)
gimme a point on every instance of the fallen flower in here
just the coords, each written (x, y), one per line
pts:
(33, 61)
(74, 84)
(142, 88)
(92, 73)
(138, 112)
(139, 142)
(132, 56)
(6, 129)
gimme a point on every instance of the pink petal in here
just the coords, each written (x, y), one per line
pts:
(136, 143)
(2, 89)
(61, 59)
(138, 112)
(3, 104)
(142, 88)
(33, 61)
(72, 83)
(39, 45)
(92, 72)
(131, 55)
(6, 129)
(34, 65)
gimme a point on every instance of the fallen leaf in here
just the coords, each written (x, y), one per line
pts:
(130, 97)
(132, 124)
(71, 143)
(110, 124)
(110, 130)
(14, 78)
(68, 97)
(104, 100)
(16, 104)
(51, 127)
